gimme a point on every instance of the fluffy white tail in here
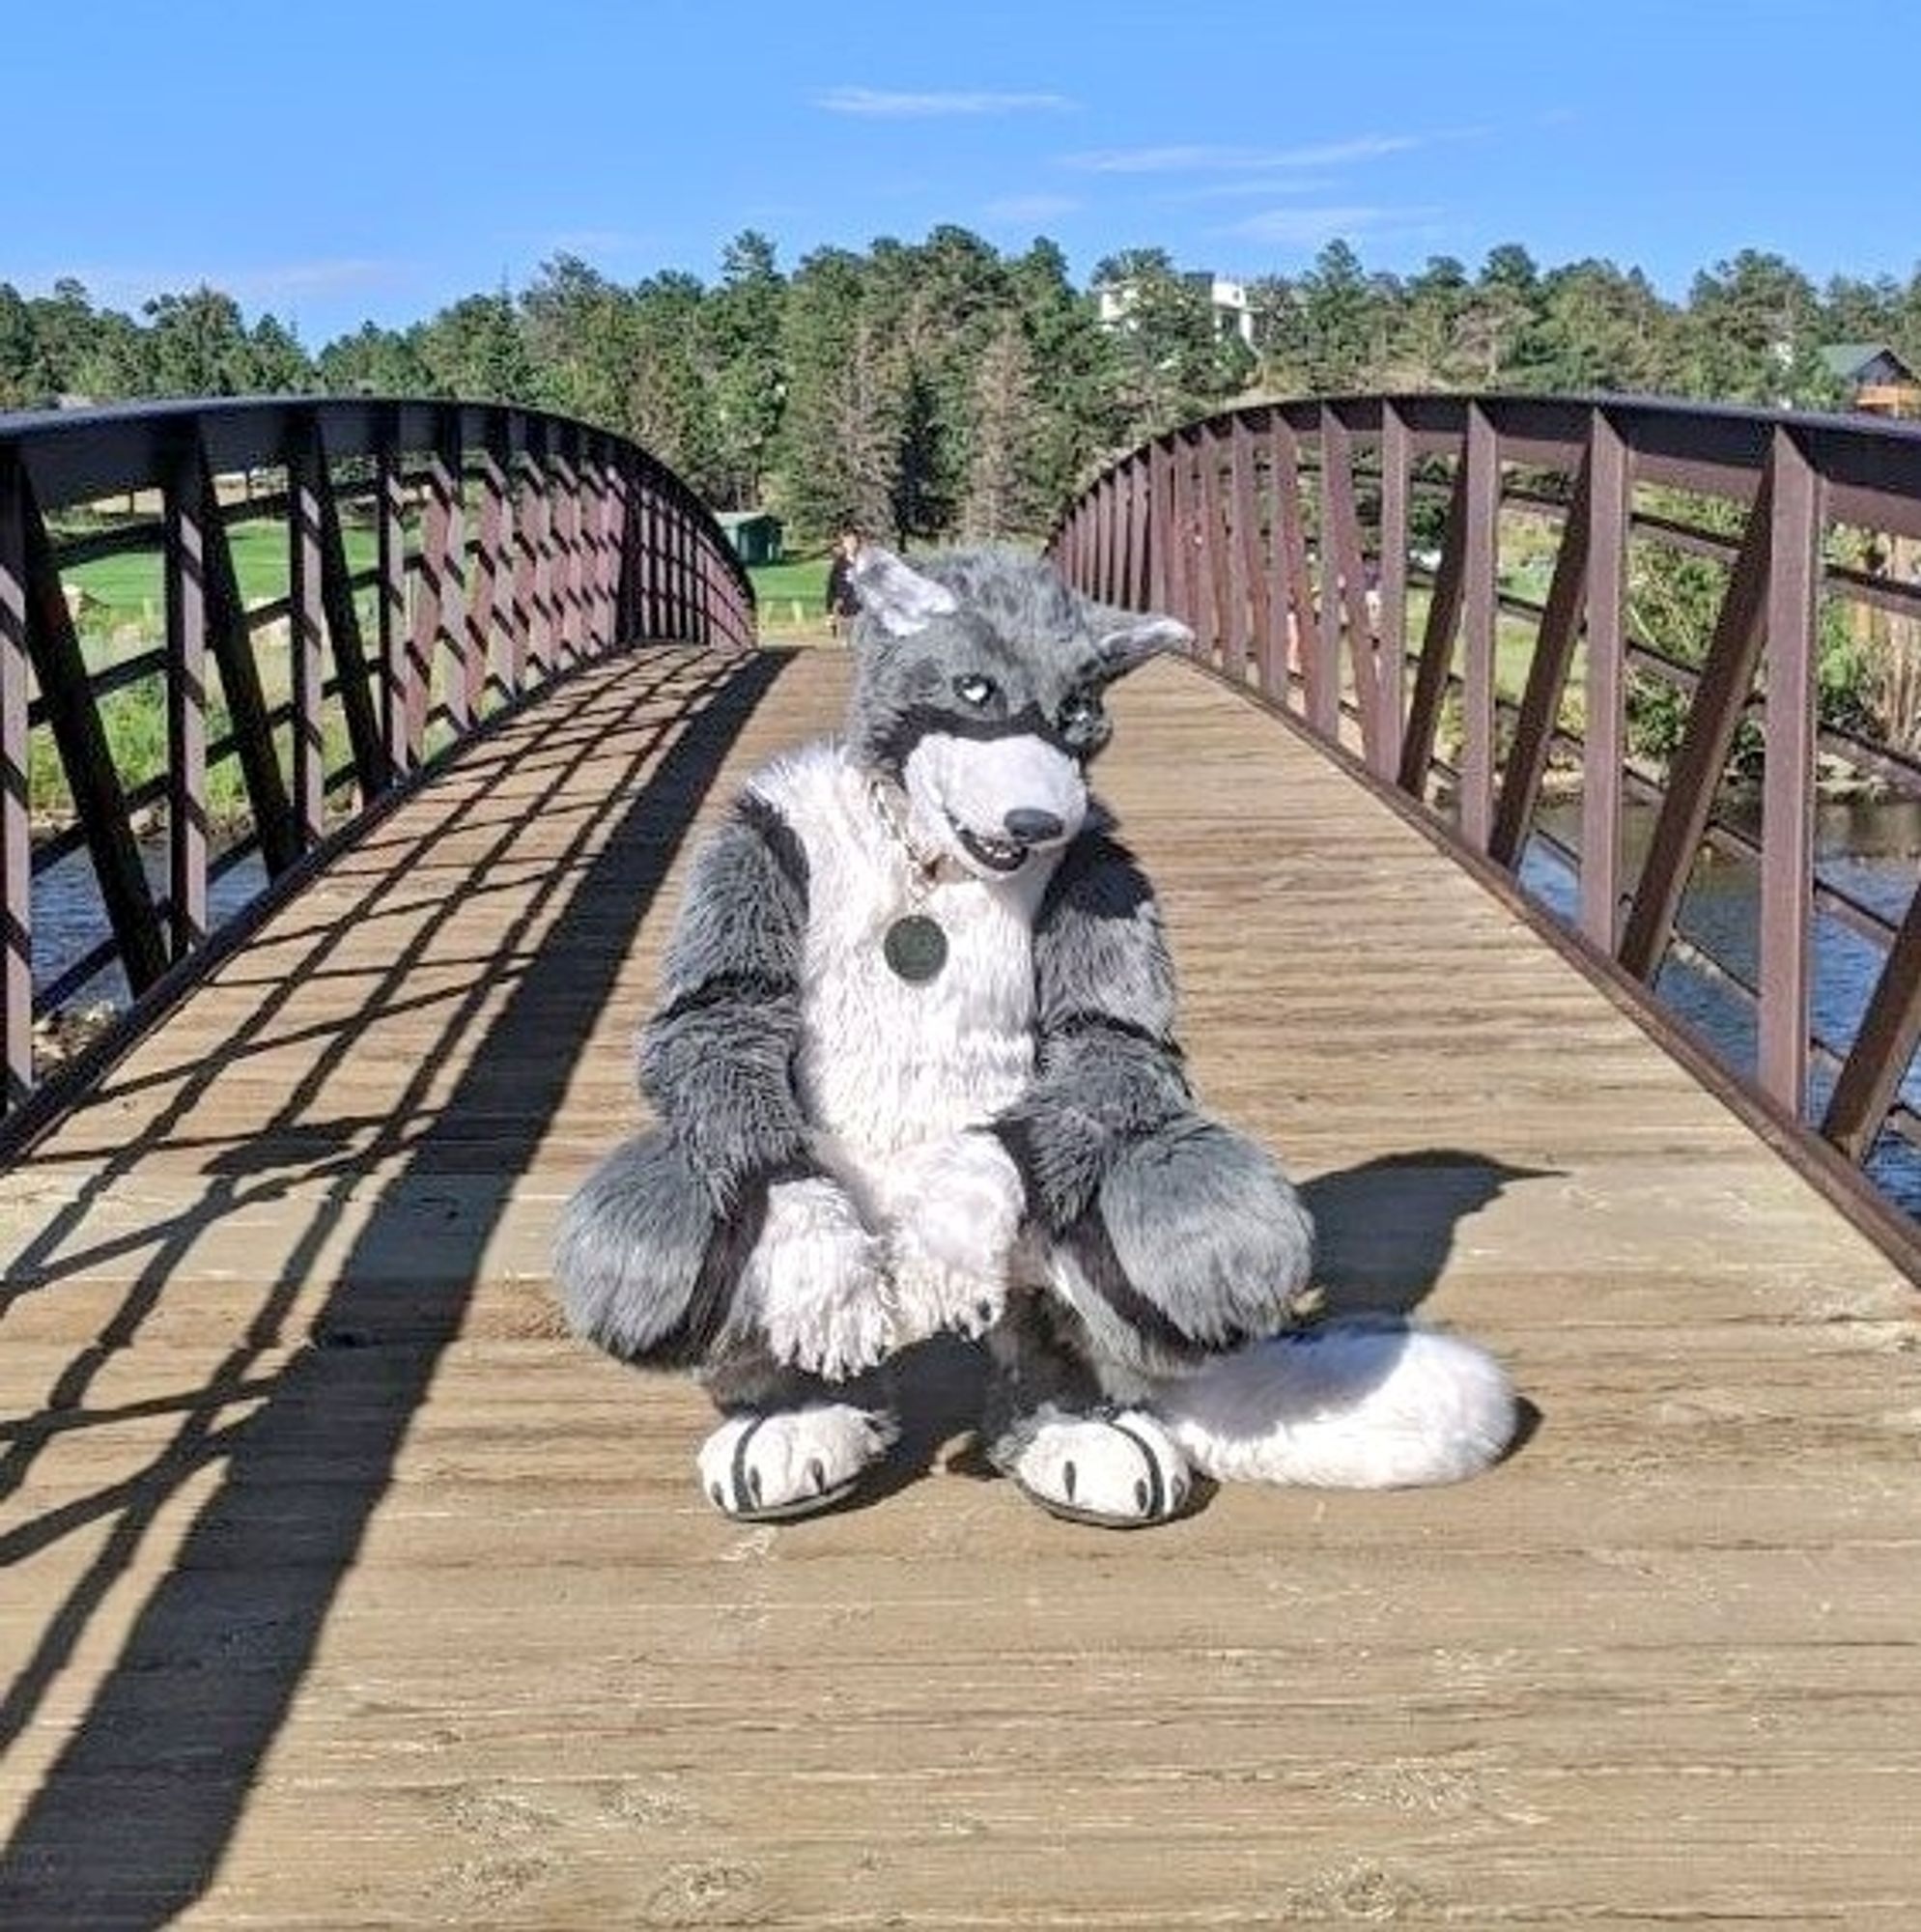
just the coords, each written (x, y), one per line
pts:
(1362, 1404)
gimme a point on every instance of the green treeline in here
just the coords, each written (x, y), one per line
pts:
(939, 388)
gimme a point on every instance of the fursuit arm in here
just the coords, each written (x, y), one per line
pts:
(1181, 1238)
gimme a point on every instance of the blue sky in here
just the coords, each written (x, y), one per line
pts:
(342, 160)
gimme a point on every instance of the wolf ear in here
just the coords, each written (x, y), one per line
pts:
(1125, 640)
(900, 600)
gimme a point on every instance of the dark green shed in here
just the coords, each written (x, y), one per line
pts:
(756, 534)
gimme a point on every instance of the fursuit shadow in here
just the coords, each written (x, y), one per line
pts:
(132, 1819)
(1386, 1226)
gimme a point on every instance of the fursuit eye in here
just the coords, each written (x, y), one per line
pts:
(976, 691)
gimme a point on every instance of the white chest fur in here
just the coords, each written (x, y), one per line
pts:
(887, 1064)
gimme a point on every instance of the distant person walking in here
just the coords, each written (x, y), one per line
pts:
(843, 601)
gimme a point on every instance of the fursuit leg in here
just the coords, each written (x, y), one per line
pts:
(1055, 1430)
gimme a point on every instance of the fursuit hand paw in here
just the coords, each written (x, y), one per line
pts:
(957, 1209)
(816, 1283)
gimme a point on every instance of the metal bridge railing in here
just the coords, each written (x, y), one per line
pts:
(427, 563)
(1354, 563)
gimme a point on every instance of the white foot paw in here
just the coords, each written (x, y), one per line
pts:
(1123, 1472)
(957, 1208)
(816, 1284)
(763, 1468)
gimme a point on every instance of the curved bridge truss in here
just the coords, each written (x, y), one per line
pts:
(1353, 562)
(430, 564)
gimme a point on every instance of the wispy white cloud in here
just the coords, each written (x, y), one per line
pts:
(881, 103)
(1307, 227)
(1201, 157)
(1246, 190)
(1015, 208)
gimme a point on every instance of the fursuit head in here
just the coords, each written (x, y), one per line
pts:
(915, 1070)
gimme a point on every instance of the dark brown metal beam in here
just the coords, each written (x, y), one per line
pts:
(1706, 739)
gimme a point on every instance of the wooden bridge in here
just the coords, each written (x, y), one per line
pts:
(342, 1588)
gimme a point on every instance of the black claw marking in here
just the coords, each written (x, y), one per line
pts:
(1069, 1475)
(718, 1496)
(745, 1484)
(1141, 1495)
(817, 1469)
(754, 1486)
(1154, 1502)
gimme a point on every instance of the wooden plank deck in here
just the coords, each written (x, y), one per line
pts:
(342, 1589)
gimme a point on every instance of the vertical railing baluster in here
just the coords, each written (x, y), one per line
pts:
(1161, 516)
(1604, 745)
(485, 685)
(183, 579)
(566, 582)
(645, 540)
(307, 625)
(437, 620)
(1320, 642)
(526, 588)
(1788, 779)
(1396, 487)
(546, 632)
(1247, 579)
(1214, 551)
(614, 514)
(449, 656)
(1293, 594)
(16, 957)
(1091, 566)
(615, 503)
(1136, 592)
(390, 597)
(1478, 611)
(577, 546)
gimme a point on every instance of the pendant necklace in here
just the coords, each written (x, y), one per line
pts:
(914, 946)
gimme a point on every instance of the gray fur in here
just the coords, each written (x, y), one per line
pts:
(1109, 1069)
(643, 1258)
(1155, 1237)
(715, 1058)
(1209, 1230)
(629, 1251)
(1012, 616)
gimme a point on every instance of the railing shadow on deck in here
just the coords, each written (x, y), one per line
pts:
(129, 1825)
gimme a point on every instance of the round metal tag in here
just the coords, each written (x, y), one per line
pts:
(915, 947)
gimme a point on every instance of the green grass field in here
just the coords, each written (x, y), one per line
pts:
(792, 599)
(124, 590)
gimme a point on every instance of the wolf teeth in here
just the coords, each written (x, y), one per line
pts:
(1001, 855)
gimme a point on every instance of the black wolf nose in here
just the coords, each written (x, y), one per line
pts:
(1033, 828)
